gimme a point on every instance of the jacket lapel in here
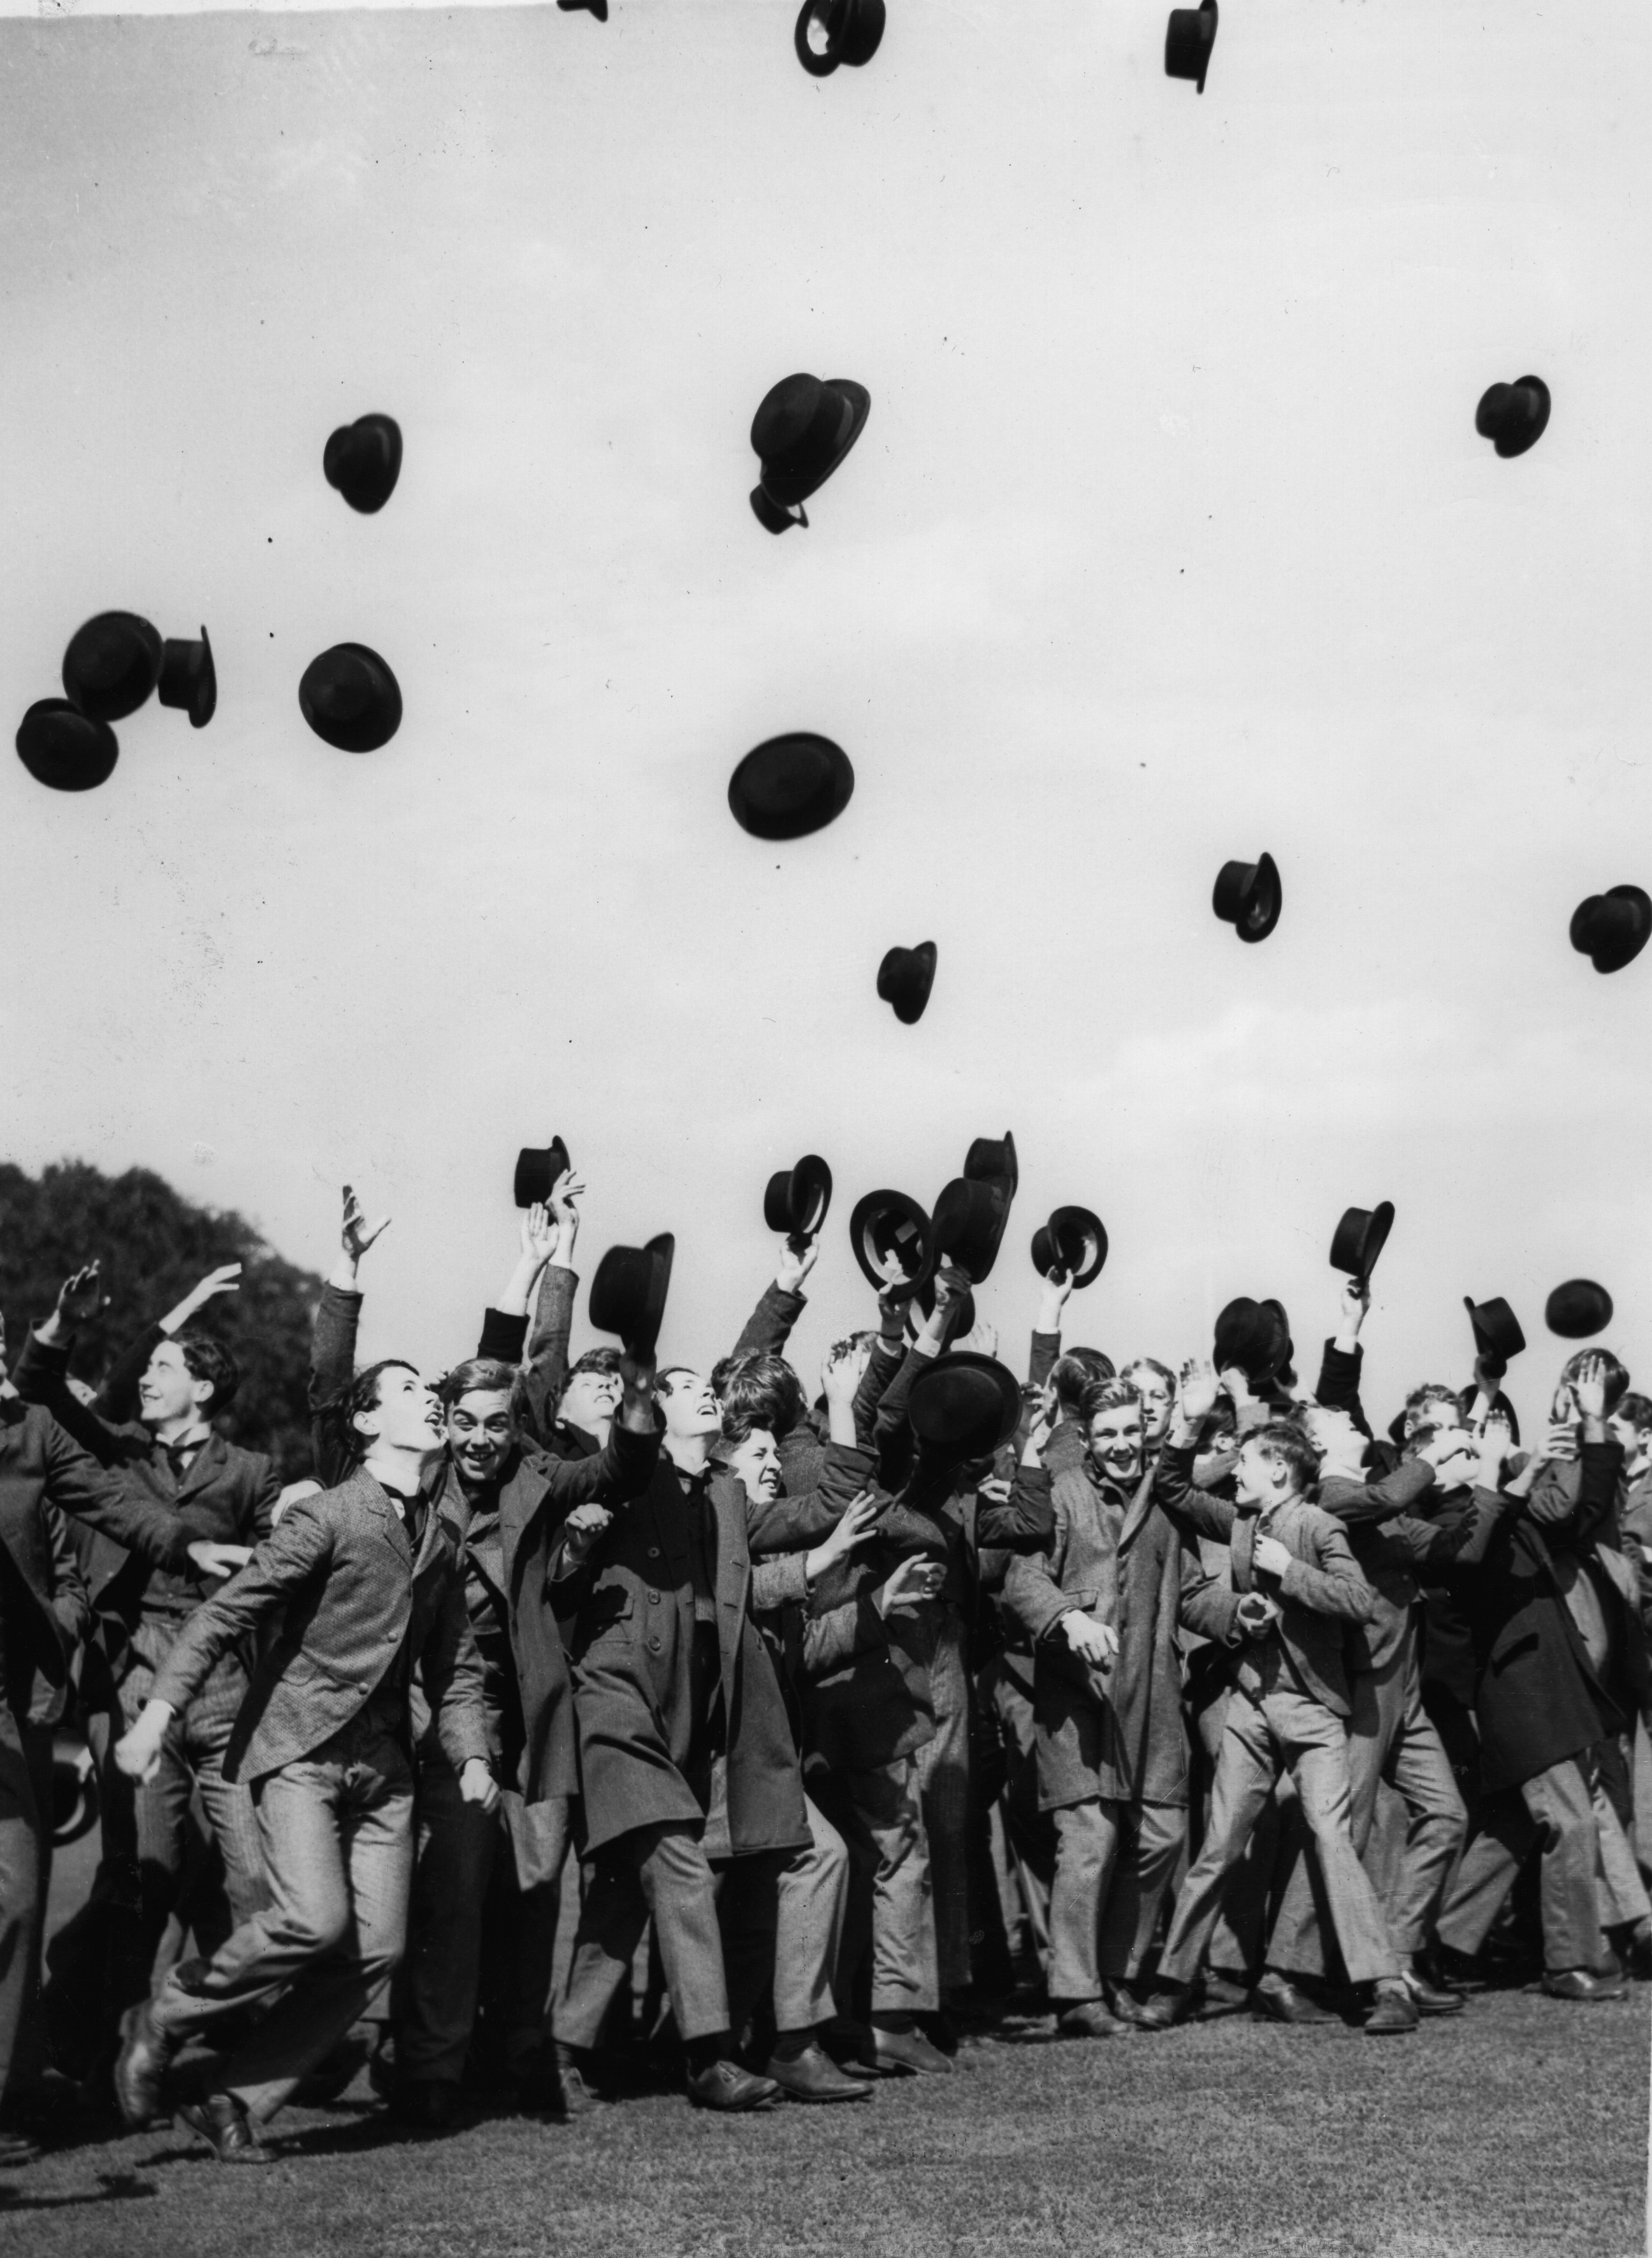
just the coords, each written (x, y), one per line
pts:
(388, 1521)
(1243, 1553)
(1135, 1515)
(206, 1462)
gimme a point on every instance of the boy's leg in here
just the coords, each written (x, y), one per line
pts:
(1086, 1851)
(1315, 1743)
(1246, 1765)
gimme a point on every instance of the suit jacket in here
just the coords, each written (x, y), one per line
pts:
(628, 1619)
(1322, 1590)
(1118, 1735)
(349, 1606)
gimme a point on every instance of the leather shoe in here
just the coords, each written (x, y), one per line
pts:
(812, 2076)
(1165, 2010)
(16, 2149)
(224, 2128)
(908, 2050)
(725, 2086)
(1278, 1998)
(1090, 2021)
(140, 2068)
(849, 2045)
(1578, 1983)
(1395, 2011)
(578, 2099)
(1220, 1995)
(1431, 1999)
(429, 2107)
(1121, 2000)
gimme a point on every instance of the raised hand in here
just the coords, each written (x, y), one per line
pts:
(918, 1579)
(840, 1376)
(1094, 1642)
(567, 1188)
(356, 1234)
(797, 1258)
(1353, 1308)
(582, 1528)
(224, 1279)
(897, 1287)
(81, 1297)
(1236, 1386)
(1589, 1387)
(854, 1528)
(539, 1233)
(1196, 1390)
(1052, 1299)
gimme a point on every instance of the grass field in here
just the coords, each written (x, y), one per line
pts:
(1519, 2126)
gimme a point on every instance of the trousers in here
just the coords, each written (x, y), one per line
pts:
(25, 1850)
(887, 1959)
(1272, 1724)
(659, 1872)
(336, 1829)
(943, 1782)
(812, 1891)
(1389, 1738)
(1554, 1812)
(1113, 1865)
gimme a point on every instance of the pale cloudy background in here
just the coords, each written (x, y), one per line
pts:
(1169, 539)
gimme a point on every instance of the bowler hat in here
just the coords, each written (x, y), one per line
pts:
(801, 432)
(1577, 1309)
(599, 7)
(111, 666)
(1611, 928)
(964, 1309)
(1496, 1333)
(796, 1199)
(789, 786)
(188, 679)
(59, 746)
(74, 1800)
(968, 1224)
(888, 1223)
(1252, 1335)
(1248, 897)
(1189, 36)
(904, 979)
(1284, 1371)
(1513, 416)
(1073, 1240)
(969, 1403)
(991, 1158)
(628, 1293)
(1360, 1238)
(351, 699)
(853, 30)
(363, 459)
(537, 1169)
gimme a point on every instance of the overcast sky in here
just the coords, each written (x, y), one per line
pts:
(1169, 539)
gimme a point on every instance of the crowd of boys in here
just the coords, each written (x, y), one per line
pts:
(582, 1713)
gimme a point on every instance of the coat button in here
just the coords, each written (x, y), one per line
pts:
(654, 1599)
(654, 1552)
(654, 1646)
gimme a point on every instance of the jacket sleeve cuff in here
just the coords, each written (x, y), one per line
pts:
(775, 1581)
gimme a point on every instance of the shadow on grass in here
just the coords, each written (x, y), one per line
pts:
(117, 2187)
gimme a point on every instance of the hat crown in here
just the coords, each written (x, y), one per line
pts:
(111, 664)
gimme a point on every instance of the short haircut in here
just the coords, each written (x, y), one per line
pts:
(851, 1344)
(739, 1426)
(1617, 1374)
(1079, 1369)
(1150, 1364)
(764, 1385)
(1432, 1391)
(671, 1373)
(1109, 1396)
(1637, 1409)
(208, 1359)
(342, 1441)
(1283, 1445)
(594, 1360)
(481, 1376)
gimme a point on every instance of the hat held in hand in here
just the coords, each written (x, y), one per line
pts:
(969, 1222)
(351, 699)
(992, 1159)
(188, 679)
(789, 786)
(885, 1223)
(537, 1169)
(1252, 1335)
(59, 746)
(1249, 897)
(1514, 416)
(1189, 36)
(965, 1402)
(363, 460)
(801, 432)
(1611, 929)
(961, 1316)
(111, 666)
(1496, 1333)
(1072, 1240)
(853, 30)
(1577, 1309)
(1360, 1238)
(628, 1293)
(904, 979)
(796, 1199)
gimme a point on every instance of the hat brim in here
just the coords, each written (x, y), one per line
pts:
(1047, 1244)
(1528, 439)
(867, 1211)
(1360, 1238)
(926, 1405)
(788, 492)
(796, 1199)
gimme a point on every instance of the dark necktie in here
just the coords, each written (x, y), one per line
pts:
(412, 1512)
(181, 1458)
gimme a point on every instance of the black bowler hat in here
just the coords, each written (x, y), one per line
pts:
(537, 1169)
(59, 746)
(188, 679)
(796, 1199)
(801, 432)
(1360, 1238)
(968, 1404)
(904, 979)
(1284, 1371)
(73, 1801)
(1248, 897)
(628, 1293)
(363, 459)
(1073, 1240)
(789, 786)
(599, 7)
(853, 30)
(351, 699)
(1577, 1309)
(963, 1319)
(1252, 1335)
(969, 1221)
(1189, 36)
(889, 1222)
(1611, 928)
(111, 666)
(1514, 416)
(1496, 1333)
(991, 1158)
